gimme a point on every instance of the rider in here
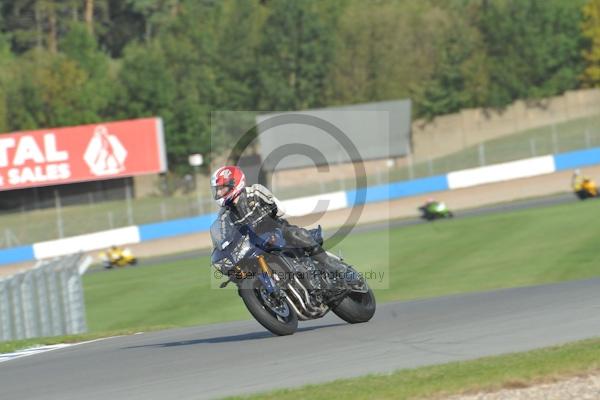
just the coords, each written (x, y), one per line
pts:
(115, 254)
(430, 201)
(256, 208)
(432, 205)
(577, 180)
(583, 186)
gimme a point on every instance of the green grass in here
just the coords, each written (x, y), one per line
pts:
(519, 248)
(172, 294)
(482, 253)
(487, 374)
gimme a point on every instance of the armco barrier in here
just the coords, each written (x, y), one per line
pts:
(296, 207)
(44, 301)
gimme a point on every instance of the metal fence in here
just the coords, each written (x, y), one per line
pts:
(26, 227)
(44, 301)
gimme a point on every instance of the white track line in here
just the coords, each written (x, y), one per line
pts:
(42, 349)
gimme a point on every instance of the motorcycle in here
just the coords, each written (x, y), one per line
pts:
(586, 189)
(435, 210)
(117, 258)
(280, 285)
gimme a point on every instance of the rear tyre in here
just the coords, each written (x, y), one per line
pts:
(275, 315)
(357, 307)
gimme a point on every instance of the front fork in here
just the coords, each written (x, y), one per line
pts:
(266, 276)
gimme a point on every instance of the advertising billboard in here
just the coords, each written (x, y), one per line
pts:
(82, 153)
(377, 130)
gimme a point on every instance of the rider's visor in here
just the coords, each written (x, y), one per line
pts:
(220, 191)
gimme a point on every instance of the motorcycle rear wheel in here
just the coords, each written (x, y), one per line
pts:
(357, 307)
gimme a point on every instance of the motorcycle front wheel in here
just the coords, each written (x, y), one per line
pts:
(274, 314)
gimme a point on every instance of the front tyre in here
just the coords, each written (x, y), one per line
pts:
(357, 307)
(274, 314)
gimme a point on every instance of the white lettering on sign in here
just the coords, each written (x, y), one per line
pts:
(5, 144)
(27, 149)
(53, 155)
(39, 174)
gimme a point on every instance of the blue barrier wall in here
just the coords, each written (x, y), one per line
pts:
(372, 194)
(16, 255)
(396, 190)
(176, 227)
(576, 159)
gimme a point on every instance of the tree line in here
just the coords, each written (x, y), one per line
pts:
(68, 62)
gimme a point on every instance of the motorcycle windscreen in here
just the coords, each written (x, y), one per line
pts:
(222, 231)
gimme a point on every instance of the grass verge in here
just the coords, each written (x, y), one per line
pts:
(482, 375)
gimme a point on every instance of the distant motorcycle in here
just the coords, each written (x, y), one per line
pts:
(435, 210)
(586, 189)
(117, 257)
(280, 285)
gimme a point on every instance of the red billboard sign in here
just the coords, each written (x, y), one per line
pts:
(82, 153)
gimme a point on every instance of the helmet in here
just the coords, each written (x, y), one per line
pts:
(230, 177)
(577, 172)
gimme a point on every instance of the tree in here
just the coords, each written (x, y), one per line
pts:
(156, 13)
(386, 49)
(237, 48)
(77, 61)
(189, 43)
(147, 85)
(43, 23)
(533, 47)
(295, 56)
(591, 32)
(6, 62)
(47, 91)
(80, 46)
(89, 16)
(459, 78)
(122, 26)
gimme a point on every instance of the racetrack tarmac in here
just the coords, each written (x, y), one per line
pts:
(241, 357)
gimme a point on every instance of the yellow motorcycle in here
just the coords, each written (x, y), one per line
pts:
(117, 257)
(585, 189)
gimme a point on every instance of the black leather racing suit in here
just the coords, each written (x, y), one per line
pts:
(257, 209)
